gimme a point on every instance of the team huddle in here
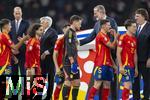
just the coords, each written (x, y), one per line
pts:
(39, 51)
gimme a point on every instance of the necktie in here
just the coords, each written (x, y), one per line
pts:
(139, 29)
(17, 26)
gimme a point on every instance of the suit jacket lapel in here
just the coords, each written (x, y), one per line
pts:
(14, 28)
(20, 26)
(143, 29)
(45, 35)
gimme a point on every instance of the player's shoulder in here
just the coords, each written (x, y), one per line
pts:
(110, 19)
(102, 35)
(58, 40)
(69, 33)
(5, 36)
(61, 39)
(32, 41)
(1, 35)
(70, 30)
(122, 36)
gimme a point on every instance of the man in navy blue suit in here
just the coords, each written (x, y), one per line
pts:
(47, 44)
(19, 29)
(100, 14)
(143, 53)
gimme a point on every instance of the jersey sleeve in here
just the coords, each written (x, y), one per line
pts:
(57, 45)
(7, 41)
(120, 41)
(30, 45)
(104, 39)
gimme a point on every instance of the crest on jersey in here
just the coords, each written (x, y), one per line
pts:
(132, 44)
(129, 42)
(105, 39)
(99, 76)
(9, 41)
(127, 77)
(120, 42)
(30, 48)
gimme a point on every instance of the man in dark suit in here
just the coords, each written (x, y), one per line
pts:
(100, 14)
(47, 47)
(143, 52)
(18, 30)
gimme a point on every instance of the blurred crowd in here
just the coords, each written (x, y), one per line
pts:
(61, 10)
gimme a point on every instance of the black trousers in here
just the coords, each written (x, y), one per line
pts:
(47, 67)
(20, 66)
(145, 72)
(114, 88)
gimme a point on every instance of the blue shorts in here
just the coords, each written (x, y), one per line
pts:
(129, 74)
(103, 73)
(8, 70)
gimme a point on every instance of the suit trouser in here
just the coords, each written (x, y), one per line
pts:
(47, 67)
(20, 66)
(114, 88)
(145, 72)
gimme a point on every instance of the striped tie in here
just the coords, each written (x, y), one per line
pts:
(17, 26)
(138, 31)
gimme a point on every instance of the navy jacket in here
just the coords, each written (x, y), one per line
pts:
(24, 25)
(143, 43)
(48, 41)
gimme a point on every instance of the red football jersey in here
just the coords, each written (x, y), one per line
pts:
(5, 49)
(103, 54)
(32, 53)
(128, 45)
(59, 47)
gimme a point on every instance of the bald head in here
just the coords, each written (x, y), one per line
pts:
(17, 13)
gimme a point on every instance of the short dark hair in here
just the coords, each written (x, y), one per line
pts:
(3, 22)
(104, 21)
(129, 22)
(75, 18)
(143, 12)
(33, 29)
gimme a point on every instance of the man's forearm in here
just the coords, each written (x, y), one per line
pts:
(55, 55)
(119, 57)
(20, 43)
(71, 59)
(135, 61)
(88, 39)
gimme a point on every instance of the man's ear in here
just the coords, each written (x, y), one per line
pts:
(148, 63)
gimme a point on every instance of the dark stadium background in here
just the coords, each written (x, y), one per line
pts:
(61, 10)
